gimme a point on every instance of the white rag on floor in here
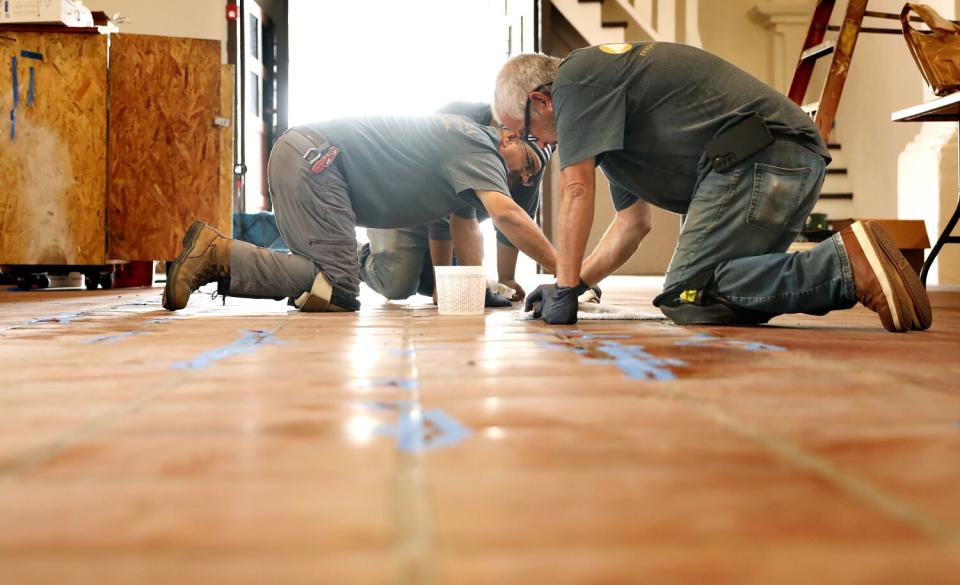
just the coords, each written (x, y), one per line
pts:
(590, 309)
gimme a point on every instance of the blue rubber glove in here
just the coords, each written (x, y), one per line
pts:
(492, 299)
(556, 305)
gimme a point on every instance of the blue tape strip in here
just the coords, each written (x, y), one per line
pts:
(448, 430)
(707, 340)
(417, 431)
(61, 318)
(637, 364)
(111, 338)
(30, 87)
(16, 98)
(409, 432)
(387, 405)
(250, 342)
(32, 55)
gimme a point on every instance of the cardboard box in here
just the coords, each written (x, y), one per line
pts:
(65, 12)
(909, 235)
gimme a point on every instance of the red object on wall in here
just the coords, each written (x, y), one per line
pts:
(232, 11)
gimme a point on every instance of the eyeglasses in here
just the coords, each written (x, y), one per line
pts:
(526, 112)
(530, 169)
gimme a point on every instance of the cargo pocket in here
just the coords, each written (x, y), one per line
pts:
(776, 194)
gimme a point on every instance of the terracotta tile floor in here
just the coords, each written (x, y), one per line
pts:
(250, 444)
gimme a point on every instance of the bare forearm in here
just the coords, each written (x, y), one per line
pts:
(520, 229)
(573, 228)
(614, 249)
(506, 262)
(441, 252)
(467, 241)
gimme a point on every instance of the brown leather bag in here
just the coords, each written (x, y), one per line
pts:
(936, 52)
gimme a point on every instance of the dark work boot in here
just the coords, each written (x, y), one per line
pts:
(205, 258)
(883, 279)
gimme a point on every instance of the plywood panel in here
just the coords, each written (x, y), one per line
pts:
(164, 146)
(53, 154)
(227, 83)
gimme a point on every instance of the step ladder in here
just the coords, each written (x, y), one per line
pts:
(815, 47)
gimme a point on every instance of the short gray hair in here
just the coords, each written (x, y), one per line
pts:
(517, 78)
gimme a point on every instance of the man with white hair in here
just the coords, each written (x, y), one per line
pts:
(673, 126)
(398, 263)
(383, 172)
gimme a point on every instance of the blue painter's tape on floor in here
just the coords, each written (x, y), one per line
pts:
(61, 318)
(448, 430)
(637, 364)
(707, 340)
(111, 338)
(560, 346)
(250, 342)
(419, 430)
(603, 336)
(387, 405)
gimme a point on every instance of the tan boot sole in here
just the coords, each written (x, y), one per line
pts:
(921, 311)
(189, 239)
(900, 314)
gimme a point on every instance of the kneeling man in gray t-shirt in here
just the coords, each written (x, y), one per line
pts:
(382, 172)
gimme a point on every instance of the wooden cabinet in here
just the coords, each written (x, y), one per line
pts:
(101, 164)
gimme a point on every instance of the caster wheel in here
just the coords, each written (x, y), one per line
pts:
(106, 281)
(90, 281)
(23, 283)
(42, 281)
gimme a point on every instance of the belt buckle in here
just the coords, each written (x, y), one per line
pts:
(310, 153)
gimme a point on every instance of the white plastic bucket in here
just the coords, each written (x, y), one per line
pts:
(460, 289)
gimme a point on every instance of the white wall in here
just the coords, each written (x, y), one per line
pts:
(883, 78)
(195, 19)
(728, 32)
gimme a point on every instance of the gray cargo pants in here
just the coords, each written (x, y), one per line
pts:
(316, 219)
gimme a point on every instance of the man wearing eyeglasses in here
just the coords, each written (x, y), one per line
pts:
(673, 126)
(398, 263)
(382, 172)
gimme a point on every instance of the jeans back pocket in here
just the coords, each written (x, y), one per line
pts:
(777, 193)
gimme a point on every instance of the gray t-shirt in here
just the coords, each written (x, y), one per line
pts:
(407, 171)
(645, 115)
(526, 196)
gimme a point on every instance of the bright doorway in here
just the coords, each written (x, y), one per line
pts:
(402, 58)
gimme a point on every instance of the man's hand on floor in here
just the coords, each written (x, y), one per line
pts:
(492, 299)
(556, 305)
(519, 294)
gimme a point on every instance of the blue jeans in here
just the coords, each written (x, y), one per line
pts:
(393, 261)
(740, 224)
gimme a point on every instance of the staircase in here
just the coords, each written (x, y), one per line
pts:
(836, 196)
(618, 21)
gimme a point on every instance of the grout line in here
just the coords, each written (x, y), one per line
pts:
(35, 458)
(861, 488)
(855, 485)
(410, 502)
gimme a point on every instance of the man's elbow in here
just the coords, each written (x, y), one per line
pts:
(509, 217)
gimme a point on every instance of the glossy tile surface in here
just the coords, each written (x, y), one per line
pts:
(252, 444)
